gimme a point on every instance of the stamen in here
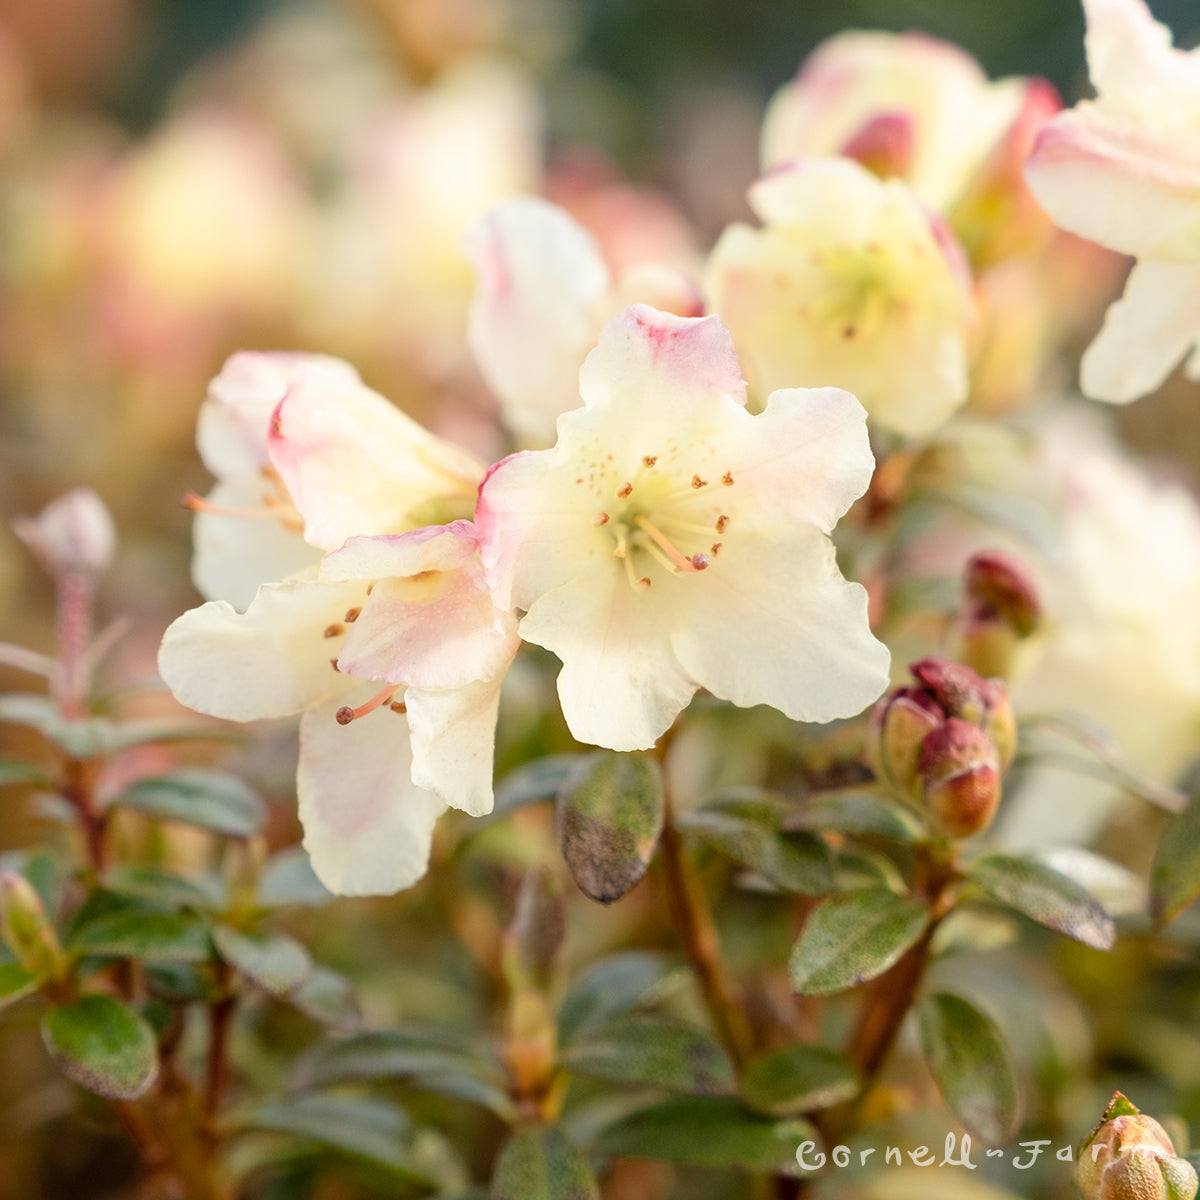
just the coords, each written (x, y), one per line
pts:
(346, 714)
(625, 490)
(678, 561)
(352, 615)
(198, 503)
(727, 479)
(601, 518)
(335, 630)
(622, 547)
(722, 522)
(638, 585)
(398, 706)
(698, 483)
(649, 460)
(715, 549)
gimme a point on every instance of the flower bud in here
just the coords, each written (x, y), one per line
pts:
(960, 778)
(1000, 610)
(1130, 1157)
(74, 533)
(900, 722)
(960, 691)
(25, 928)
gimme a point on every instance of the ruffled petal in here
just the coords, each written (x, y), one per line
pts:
(1145, 333)
(540, 281)
(270, 661)
(367, 827)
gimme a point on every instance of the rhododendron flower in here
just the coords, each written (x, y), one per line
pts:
(850, 282)
(672, 541)
(542, 293)
(1124, 171)
(298, 441)
(412, 611)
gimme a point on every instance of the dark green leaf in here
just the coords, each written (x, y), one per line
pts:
(748, 831)
(798, 1078)
(853, 937)
(969, 1061)
(540, 1164)
(102, 1045)
(208, 799)
(180, 982)
(861, 813)
(541, 779)
(172, 936)
(362, 1127)
(15, 983)
(608, 987)
(707, 1131)
(275, 962)
(1045, 896)
(1175, 875)
(289, 881)
(163, 888)
(610, 814)
(648, 1050)
(327, 997)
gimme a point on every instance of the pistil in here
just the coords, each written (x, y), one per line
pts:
(346, 714)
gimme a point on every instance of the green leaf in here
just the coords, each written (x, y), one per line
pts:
(172, 936)
(366, 1128)
(208, 799)
(163, 888)
(77, 737)
(276, 963)
(290, 882)
(968, 1059)
(1045, 896)
(852, 937)
(540, 1164)
(436, 1060)
(608, 987)
(102, 1045)
(541, 779)
(858, 813)
(649, 1050)
(327, 997)
(14, 771)
(610, 813)
(747, 829)
(15, 983)
(1175, 875)
(798, 1078)
(707, 1131)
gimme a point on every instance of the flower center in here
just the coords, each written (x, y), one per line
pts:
(656, 519)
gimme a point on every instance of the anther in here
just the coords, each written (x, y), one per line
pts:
(625, 490)
(727, 479)
(649, 460)
(715, 549)
(601, 518)
(398, 706)
(722, 523)
(697, 482)
(334, 630)
(643, 584)
(346, 714)
(352, 615)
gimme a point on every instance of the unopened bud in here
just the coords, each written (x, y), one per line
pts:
(1130, 1157)
(998, 586)
(74, 533)
(900, 722)
(25, 928)
(960, 691)
(960, 778)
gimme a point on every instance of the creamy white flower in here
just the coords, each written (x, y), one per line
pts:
(671, 541)
(1124, 171)
(377, 765)
(851, 283)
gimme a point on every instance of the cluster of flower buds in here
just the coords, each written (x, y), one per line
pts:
(1129, 1156)
(1000, 610)
(944, 745)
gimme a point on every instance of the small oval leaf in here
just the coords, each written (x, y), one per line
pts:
(968, 1059)
(853, 937)
(610, 813)
(208, 799)
(649, 1050)
(15, 983)
(1175, 875)
(1045, 896)
(275, 962)
(172, 937)
(607, 988)
(799, 1078)
(102, 1045)
(540, 1164)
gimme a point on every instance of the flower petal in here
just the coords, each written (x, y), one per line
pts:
(367, 826)
(540, 279)
(779, 625)
(453, 743)
(270, 661)
(1145, 333)
(355, 464)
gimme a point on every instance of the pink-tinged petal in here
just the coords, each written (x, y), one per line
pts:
(1145, 333)
(453, 743)
(1128, 184)
(778, 625)
(232, 427)
(367, 827)
(540, 281)
(620, 685)
(232, 556)
(270, 661)
(430, 548)
(353, 463)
